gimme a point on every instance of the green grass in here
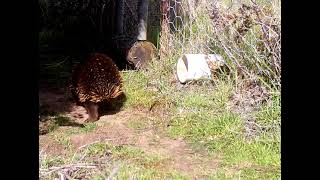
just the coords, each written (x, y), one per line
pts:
(222, 132)
(97, 149)
(61, 120)
(135, 89)
(128, 171)
(49, 161)
(246, 173)
(62, 139)
(205, 121)
(270, 114)
(133, 162)
(198, 113)
(138, 124)
(88, 127)
(137, 156)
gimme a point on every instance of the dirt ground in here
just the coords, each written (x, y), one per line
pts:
(113, 127)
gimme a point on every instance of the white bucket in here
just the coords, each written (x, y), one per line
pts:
(195, 66)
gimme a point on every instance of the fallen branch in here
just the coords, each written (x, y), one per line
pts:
(80, 165)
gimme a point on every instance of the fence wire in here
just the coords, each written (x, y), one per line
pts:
(246, 33)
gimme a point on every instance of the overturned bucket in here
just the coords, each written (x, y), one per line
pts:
(197, 66)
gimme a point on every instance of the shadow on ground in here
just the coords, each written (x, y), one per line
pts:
(57, 108)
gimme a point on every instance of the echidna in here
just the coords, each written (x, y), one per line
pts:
(95, 81)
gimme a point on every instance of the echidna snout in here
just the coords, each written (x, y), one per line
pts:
(92, 110)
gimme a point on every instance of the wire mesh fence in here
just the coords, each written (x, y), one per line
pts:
(246, 33)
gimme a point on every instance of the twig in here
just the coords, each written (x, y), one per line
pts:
(80, 165)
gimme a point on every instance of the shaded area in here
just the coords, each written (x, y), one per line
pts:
(176, 154)
(76, 28)
(112, 107)
(70, 30)
(57, 108)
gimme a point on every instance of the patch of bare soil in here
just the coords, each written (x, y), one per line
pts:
(59, 101)
(116, 134)
(180, 155)
(112, 128)
(50, 146)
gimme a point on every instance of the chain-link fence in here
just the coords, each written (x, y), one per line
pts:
(246, 33)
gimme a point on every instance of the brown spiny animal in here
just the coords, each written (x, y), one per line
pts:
(95, 81)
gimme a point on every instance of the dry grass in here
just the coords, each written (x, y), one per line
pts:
(246, 33)
(229, 125)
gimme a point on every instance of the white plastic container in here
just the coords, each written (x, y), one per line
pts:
(195, 66)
